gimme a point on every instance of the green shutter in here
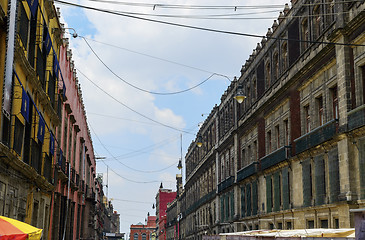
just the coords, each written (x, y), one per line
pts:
(362, 167)
(227, 207)
(268, 194)
(232, 205)
(277, 191)
(243, 203)
(307, 183)
(248, 199)
(320, 180)
(255, 201)
(334, 175)
(286, 190)
(222, 208)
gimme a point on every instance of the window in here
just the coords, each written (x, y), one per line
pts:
(23, 26)
(307, 119)
(320, 112)
(286, 132)
(317, 21)
(268, 75)
(310, 224)
(305, 34)
(249, 155)
(334, 102)
(269, 143)
(144, 236)
(276, 66)
(135, 236)
(255, 151)
(324, 223)
(330, 11)
(284, 56)
(307, 182)
(289, 226)
(18, 136)
(277, 134)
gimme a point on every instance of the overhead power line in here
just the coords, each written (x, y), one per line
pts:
(148, 91)
(203, 28)
(131, 109)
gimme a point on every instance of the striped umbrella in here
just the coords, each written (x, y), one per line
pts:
(11, 229)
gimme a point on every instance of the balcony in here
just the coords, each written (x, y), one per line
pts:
(356, 118)
(247, 171)
(317, 136)
(226, 184)
(275, 157)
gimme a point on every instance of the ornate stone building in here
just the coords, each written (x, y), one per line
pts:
(292, 154)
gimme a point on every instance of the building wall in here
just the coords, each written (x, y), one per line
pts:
(290, 156)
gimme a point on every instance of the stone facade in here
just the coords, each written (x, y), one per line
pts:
(291, 155)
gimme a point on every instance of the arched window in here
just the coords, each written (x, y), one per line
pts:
(276, 65)
(144, 236)
(135, 236)
(317, 21)
(284, 56)
(305, 34)
(268, 74)
(330, 11)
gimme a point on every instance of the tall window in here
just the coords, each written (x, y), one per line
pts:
(320, 111)
(249, 154)
(269, 142)
(135, 236)
(317, 21)
(277, 134)
(330, 4)
(268, 74)
(276, 66)
(284, 56)
(255, 151)
(334, 102)
(307, 119)
(305, 34)
(286, 132)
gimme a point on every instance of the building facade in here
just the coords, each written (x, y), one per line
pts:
(47, 163)
(163, 197)
(143, 231)
(291, 155)
(74, 195)
(29, 42)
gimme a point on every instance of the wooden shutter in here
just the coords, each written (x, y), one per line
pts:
(277, 191)
(268, 194)
(254, 198)
(286, 188)
(307, 183)
(243, 202)
(320, 180)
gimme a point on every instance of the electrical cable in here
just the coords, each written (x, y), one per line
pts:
(144, 90)
(131, 109)
(205, 29)
(158, 58)
(134, 169)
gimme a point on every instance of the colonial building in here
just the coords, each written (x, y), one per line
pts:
(74, 198)
(29, 41)
(47, 164)
(291, 155)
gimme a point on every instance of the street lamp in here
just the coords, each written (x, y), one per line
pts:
(199, 141)
(240, 97)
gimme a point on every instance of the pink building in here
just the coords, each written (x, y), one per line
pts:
(73, 203)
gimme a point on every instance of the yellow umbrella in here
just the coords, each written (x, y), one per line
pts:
(17, 230)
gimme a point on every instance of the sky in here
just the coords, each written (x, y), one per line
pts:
(147, 86)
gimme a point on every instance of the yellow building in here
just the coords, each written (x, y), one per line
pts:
(29, 45)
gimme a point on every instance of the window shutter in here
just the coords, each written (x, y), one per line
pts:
(286, 190)
(248, 199)
(334, 175)
(222, 209)
(254, 198)
(362, 167)
(277, 191)
(307, 183)
(243, 203)
(320, 180)
(232, 204)
(268, 194)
